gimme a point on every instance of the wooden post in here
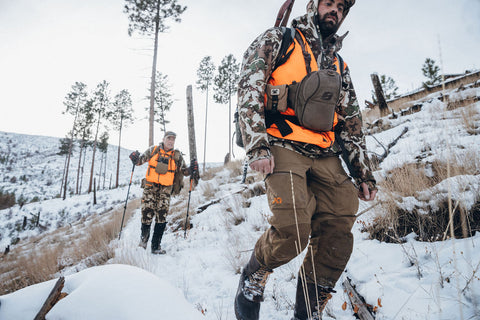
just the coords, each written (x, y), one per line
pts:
(191, 132)
(382, 104)
(52, 299)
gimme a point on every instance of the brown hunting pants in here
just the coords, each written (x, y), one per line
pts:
(323, 209)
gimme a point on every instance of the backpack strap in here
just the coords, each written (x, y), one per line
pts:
(341, 64)
(287, 40)
(306, 56)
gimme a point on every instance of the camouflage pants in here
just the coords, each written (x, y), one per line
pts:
(325, 205)
(155, 203)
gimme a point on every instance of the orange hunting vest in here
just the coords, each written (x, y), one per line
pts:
(163, 179)
(294, 70)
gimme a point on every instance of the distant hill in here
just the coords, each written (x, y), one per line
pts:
(32, 170)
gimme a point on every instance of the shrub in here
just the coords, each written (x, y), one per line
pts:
(7, 200)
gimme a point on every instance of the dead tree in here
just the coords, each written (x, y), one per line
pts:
(382, 104)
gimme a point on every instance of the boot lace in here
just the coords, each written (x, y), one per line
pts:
(254, 285)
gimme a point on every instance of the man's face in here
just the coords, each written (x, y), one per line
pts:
(169, 142)
(330, 14)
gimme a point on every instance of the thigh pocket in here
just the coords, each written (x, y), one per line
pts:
(279, 190)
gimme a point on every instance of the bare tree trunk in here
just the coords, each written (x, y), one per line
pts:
(100, 172)
(105, 168)
(66, 169)
(205, 140)
(152, 83)
(118, 153)
(382, 104)
(82, 145)
(63, 175)
(83, 168)
(229, 127)
(93, 156)
(191, 133)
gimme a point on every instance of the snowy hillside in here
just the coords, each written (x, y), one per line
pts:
(402, 278)
(32, 169)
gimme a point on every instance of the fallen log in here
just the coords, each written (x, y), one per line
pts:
(379, 158)
(52, 299)
(359, 306)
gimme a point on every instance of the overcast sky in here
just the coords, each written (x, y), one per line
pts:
(46, 46)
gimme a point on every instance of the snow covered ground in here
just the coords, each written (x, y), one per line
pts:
(198, 276)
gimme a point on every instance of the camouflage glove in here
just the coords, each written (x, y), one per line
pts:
(135, 156)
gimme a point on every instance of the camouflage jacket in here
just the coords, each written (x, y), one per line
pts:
(258, 65)
(149, 153)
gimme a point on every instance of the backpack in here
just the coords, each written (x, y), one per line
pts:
(282, 57)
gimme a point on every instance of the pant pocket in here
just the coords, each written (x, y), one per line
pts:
(283, 188)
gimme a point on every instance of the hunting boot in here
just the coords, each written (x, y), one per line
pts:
(250, 290)
(144, 236)
(157, 238)
(316, 307)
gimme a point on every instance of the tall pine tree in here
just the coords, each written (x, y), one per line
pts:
(149, 17)
(225, 85)
(205, 74)
(100, 107)
(74, 102)
(163, 100)
(122, 115)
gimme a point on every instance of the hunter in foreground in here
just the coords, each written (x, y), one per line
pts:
(298, 114)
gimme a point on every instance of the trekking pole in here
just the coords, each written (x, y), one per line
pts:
(188, 206)
(125, 206)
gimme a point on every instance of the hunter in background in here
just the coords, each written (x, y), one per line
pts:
(298, 113)
(164, 178)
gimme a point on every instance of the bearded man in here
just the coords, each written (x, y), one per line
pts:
(298, 113)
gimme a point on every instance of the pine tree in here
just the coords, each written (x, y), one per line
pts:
(432, 72)
(389, 88)
(65, 145)
(100, 107)
(149, 17)
(122, 115)
(163, 100)
(75, 101)
(103, 148)
(205, 74)
(85, 123)
(225, 85)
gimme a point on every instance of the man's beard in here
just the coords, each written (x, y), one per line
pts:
(327, 28)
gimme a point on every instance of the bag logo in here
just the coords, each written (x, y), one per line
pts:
(327, 96)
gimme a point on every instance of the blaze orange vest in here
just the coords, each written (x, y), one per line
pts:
(294, 70)
(163, 179)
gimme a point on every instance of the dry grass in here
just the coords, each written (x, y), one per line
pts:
(411, 178)
(469, 119)
(397, 223)
(40, 258)
(393, 222)
(209, 174)
(235, 167)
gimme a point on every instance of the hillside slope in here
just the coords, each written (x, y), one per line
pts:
(399, 275)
